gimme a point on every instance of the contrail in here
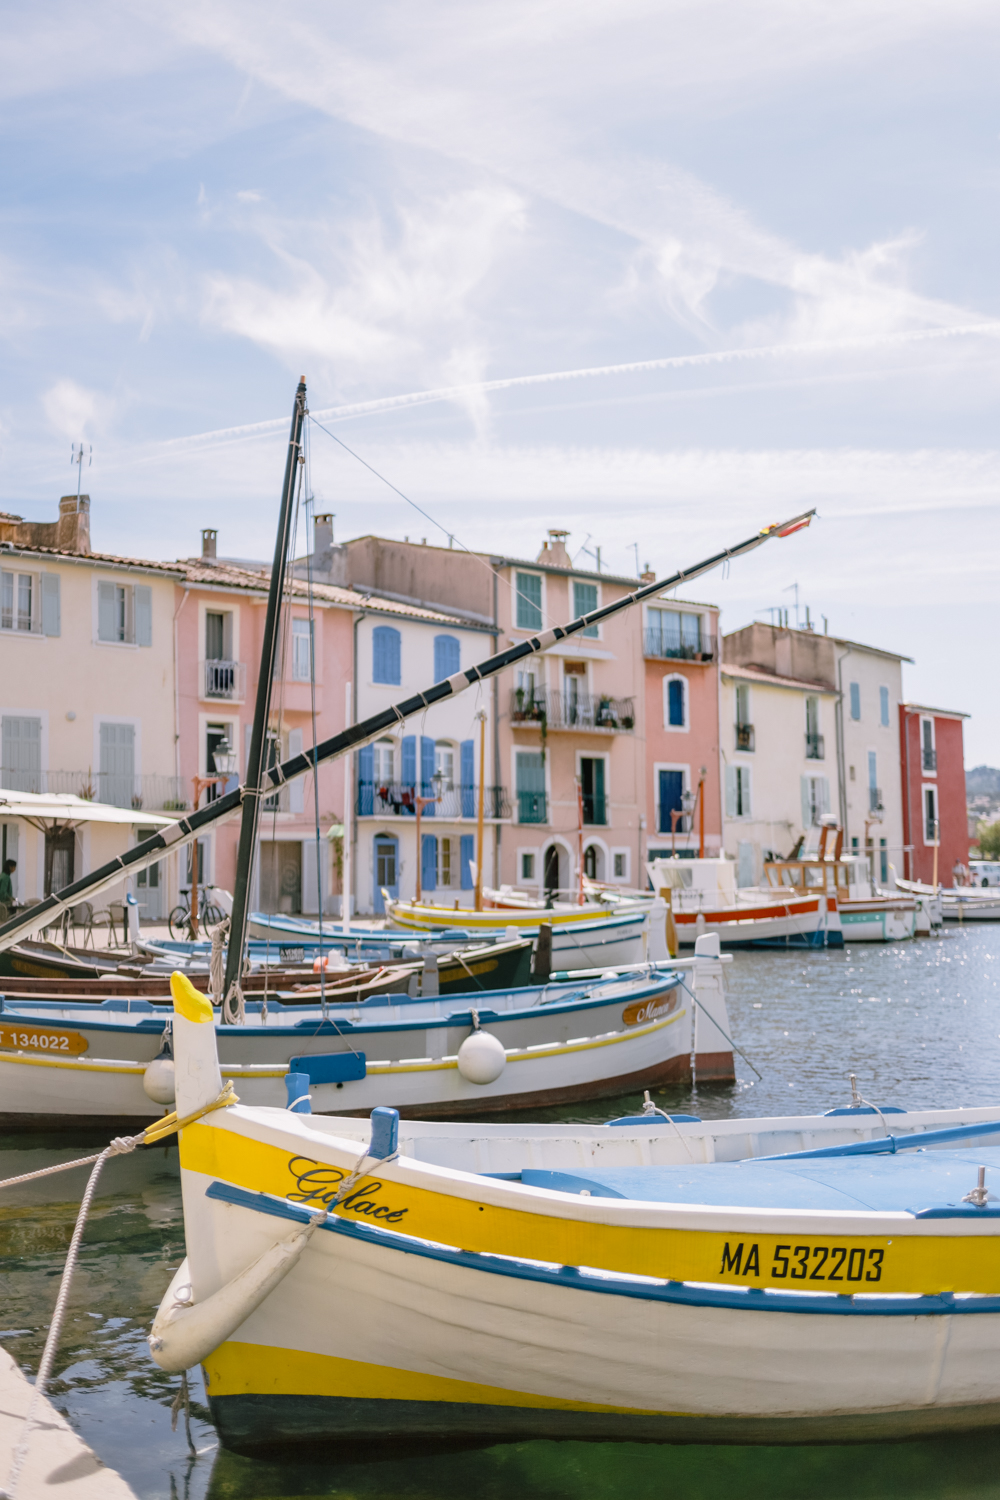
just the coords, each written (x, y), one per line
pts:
(670, 362)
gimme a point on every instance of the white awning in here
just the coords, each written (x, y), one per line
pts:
(70, 810)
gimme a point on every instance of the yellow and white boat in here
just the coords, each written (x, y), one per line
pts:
(352, 1281)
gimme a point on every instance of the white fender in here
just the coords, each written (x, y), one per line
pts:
(185, 1333)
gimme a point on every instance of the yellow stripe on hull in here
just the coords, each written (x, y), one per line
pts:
(894, 1261)
(237, 1369)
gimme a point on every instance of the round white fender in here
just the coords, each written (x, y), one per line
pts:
(184, 1332)
(158, 1080)
(481, 1058)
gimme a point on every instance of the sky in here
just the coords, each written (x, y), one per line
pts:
(656, 273)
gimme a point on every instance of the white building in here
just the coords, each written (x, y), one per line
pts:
(870, 690)
(435, 758)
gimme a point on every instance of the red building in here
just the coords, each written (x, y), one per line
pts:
(934, 812)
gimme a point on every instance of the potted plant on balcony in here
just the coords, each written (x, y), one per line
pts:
(606, 716)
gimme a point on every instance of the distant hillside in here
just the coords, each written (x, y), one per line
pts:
(982, 781)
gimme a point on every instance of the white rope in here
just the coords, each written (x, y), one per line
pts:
(233, 1007)
(217, 962)
(118, 1147)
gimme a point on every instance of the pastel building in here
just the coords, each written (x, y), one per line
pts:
(680, 646)
(869, 685)
(932, 760)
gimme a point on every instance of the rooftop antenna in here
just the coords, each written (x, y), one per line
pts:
(594, 552)
(635, 549)
(80, 452)
(793, 587)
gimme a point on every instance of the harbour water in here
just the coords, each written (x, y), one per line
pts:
(920, 1026)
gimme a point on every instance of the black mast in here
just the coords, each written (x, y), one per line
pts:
(251, 788)
(175, 835)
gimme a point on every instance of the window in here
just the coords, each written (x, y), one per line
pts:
(815, 800)
(620, 864)
(883, 708)
(447, 657)
(590, 861)
(444, 764)
(21, 754)
(302, 662)
(584, 603)
(117, 774)
(874, 795)
(18, 601)
(215, 636)
(124, 613)
(928, 752)
(529, 601)
(527, 866)
(592, 786)
(385, 654)
(883, 858)
(815, 748)
(855, 693)
(444, 862)
(670, 799)
(744, 724)
(673, 633)
(930, 815)
(214, 736)
(675, 703)
(383, 762)
(530, 781)
(738, 791)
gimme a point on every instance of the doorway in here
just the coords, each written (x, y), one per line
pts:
(554, 872)
(60, 858)
(671, 799)
(281, 876)
(149, 892)
(386, 863)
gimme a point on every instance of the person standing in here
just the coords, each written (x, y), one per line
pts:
(7, 902)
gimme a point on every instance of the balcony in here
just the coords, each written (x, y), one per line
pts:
(226, 680)
(744, 736)
(531, 807)
(815, 747)
(875, 804)
(588, 713)
(117, 788)
(667, 647)
(928, 759)
(397, 800)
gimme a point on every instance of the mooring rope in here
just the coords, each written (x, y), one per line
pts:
(118, 1147)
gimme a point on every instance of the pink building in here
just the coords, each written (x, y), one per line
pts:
(681, 650)
(934, 799)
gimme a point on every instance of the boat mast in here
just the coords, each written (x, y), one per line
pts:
(265, 682)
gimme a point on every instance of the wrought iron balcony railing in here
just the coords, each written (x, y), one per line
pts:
(929, 759)
(668, 647)
(592, 713)
(226, 680)
(118, 788)
(744, 736)
(393, 799)
(815, 747)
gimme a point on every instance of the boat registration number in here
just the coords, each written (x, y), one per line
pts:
(803, 1262)
(42, 1039)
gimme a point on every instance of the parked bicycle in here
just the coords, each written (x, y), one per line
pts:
(209, 915)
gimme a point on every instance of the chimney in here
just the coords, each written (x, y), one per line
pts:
(323, 543)
(554, 550)
(73, 526)
(647, 575)
(208, 541)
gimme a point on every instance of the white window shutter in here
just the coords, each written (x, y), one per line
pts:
(51, 622)
(806, 802)
(730, 791)
(824, 794)
(143, 614)
(297, 789)
(744, 772)
(106, 611)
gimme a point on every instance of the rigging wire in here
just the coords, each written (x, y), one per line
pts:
(310, 542)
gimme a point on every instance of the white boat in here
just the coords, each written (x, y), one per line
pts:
(705, 898)
(376, 1283)
(866, 913)
(478, 1053)
(930, 906)
(965, 904)
(583, 937)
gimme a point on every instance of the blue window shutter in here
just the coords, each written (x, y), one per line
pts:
(447, 657)
(51, 622)
(529, 601)
(428, 862)
(366, 779)
(468, 849)
(409, 771)
(468, 754)
(855, 700)
(143, 603)
(675, 703)
(427, 772)
(671, 789)
(584, 603)
(385, 654)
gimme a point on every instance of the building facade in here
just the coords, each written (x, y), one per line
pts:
(935, 821)
(869, 693)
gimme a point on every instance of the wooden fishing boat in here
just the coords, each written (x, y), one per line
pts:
(705, 898)
(583, 937)
(967, 905)
(62, 1062)
(771, 1281)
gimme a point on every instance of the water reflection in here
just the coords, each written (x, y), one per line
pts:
(919, 1024)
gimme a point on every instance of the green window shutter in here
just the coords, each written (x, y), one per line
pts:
(584, 602)
(143, 614)
(106, 612)
(529, 601)
(51, 617)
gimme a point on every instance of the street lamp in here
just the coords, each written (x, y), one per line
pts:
(419, 803)
(226, 761)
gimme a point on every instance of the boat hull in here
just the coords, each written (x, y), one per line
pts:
(879, 920)
(798, 923)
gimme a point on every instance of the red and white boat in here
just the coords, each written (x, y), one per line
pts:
(705, 898)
